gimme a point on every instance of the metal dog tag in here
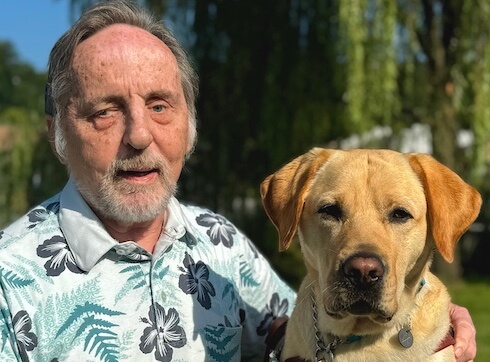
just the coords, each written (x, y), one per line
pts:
(405, 337)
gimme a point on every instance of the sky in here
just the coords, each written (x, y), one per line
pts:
(33, 27)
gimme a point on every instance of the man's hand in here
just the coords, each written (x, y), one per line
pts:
(464, 333)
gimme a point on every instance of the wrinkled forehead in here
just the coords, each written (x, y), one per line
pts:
(379, 173)
(122, 43)
(123, 59)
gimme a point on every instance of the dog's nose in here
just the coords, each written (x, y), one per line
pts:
(363, 270)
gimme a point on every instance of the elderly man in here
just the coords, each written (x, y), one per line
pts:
(114, 267)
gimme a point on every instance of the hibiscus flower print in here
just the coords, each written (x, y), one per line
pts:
(195, 281)
(40, 214)
(274, 310)
(60, 257)
(219, 229)
(26, 340)
(163, 334)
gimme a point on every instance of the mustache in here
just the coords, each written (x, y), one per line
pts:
(141, 162)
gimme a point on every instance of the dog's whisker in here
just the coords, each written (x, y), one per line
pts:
(305, 299)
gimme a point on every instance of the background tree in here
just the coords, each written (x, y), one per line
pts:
(308, 72)
(21, 102)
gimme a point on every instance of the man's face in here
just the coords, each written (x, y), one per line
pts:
(127, 124)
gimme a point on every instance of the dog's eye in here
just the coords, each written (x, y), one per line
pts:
(400, 215)
(331, 210)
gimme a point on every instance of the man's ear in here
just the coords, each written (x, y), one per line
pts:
(50, 130)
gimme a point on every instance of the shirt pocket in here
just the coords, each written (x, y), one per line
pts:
(222, 344)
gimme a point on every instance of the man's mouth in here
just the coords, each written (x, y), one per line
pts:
(135, 174)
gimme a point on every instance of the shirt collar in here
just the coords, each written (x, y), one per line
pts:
(88, 239)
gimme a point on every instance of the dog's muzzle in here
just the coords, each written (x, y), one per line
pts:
(358, 287)
(364, 272)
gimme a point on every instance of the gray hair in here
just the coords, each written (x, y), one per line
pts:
(97, 17)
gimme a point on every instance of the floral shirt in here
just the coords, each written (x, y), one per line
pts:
(70, 292)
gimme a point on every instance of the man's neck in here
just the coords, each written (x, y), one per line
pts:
(145, 234)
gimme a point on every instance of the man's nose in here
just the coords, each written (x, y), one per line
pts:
(137, 133)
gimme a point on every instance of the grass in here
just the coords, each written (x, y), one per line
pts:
(474, 294)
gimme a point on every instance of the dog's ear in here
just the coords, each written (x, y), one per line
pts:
(284, 192)
(452, 204)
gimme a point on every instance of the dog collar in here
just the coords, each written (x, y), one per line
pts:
(326, 352)
(405, 336)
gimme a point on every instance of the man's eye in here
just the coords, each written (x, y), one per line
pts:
(101, 114)
(158, 108)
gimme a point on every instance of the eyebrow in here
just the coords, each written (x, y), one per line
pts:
(88, 106)
(170, 96)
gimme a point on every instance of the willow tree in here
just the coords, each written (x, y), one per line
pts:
(21, 125)
(413, 61)
(280, 77)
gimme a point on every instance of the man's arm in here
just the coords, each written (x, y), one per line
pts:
(8, 343)
(464, 333)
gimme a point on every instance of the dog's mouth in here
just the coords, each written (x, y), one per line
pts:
(359, 288)
(363, 308)
(360, 308)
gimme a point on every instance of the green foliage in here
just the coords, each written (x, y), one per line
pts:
(352, 39)
(316, 72)
(19, 130)
(29, 172)
(474, 89)
(474, 294)
(20, 85)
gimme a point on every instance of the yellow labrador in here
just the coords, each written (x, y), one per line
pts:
(368, 222)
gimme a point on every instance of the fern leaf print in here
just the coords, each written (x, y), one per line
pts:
(223, 344)
(14, 280)
(246, 275)
(99, 334)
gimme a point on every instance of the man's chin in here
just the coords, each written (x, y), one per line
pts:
(132, 208)
(127, 202)
(132, 213)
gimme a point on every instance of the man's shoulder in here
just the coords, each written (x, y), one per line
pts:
(214, 227)
(33, 224)
(191, 207)
(203, 216)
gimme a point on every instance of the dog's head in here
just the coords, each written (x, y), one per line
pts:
(368, 222)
